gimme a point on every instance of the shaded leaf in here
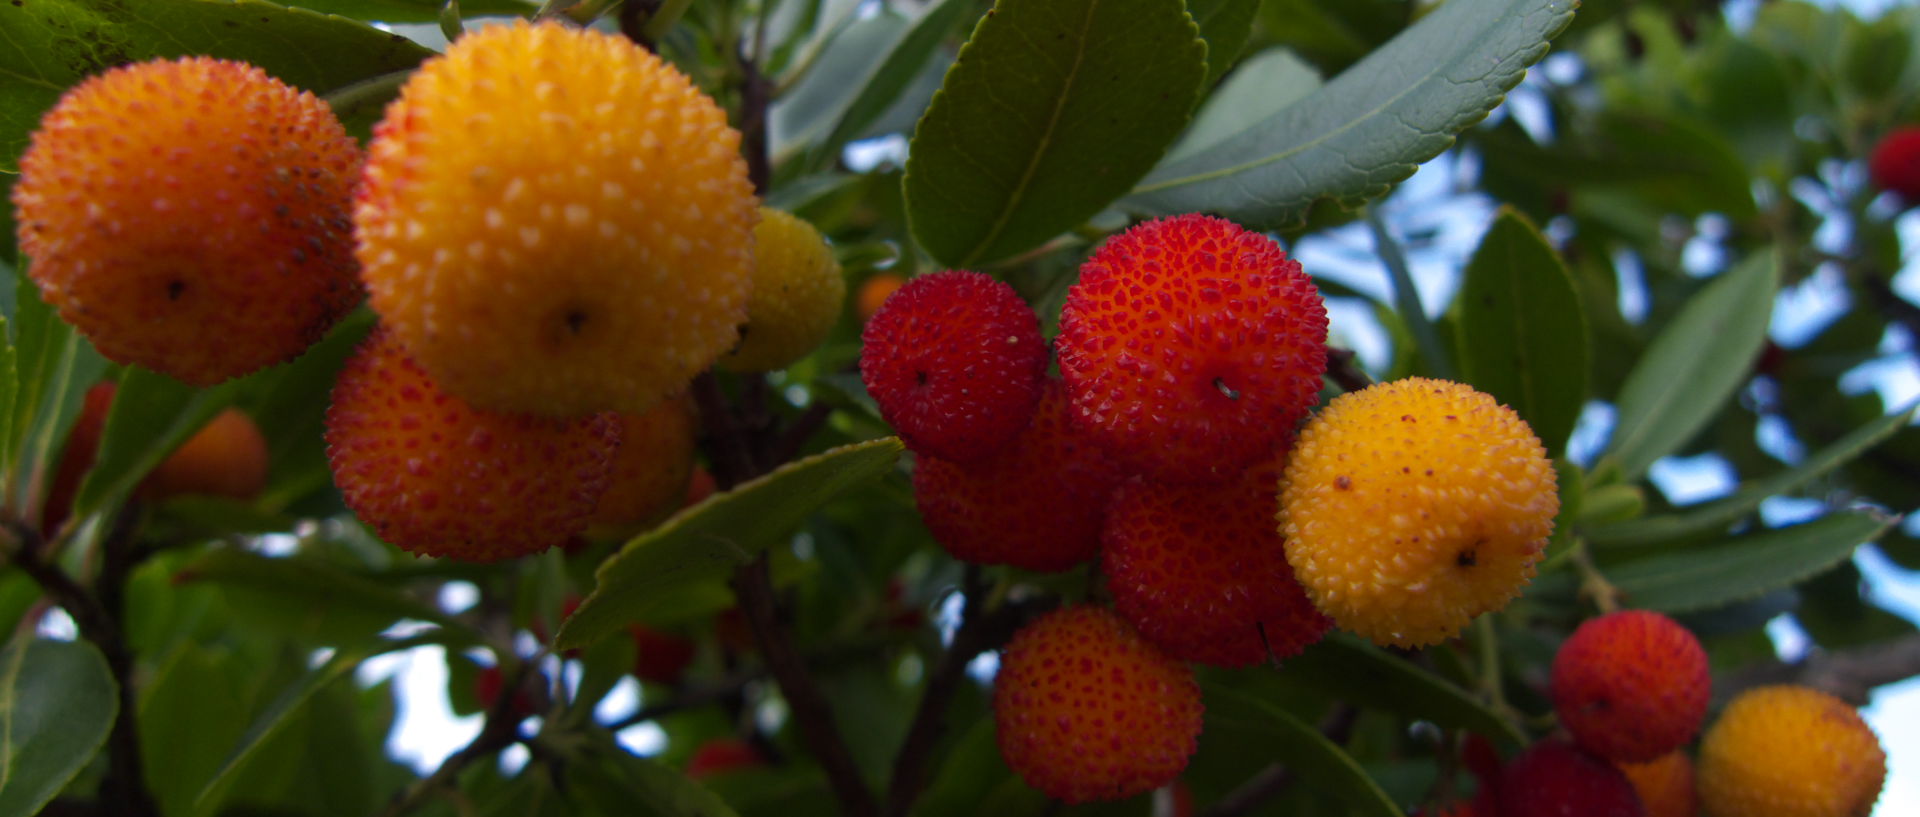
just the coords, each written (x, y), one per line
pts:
(1523, 336)
(53, 44)
(1714, 516)
(1372, 125)
(709, 540)
(152, 415)
(1266, 83)
(615, 779)
(1225, 25)
(1309, 754)
(317, 595)
(1054, 109)
(1745, 566)
(1348, 669)
(891, 76)
(58, 702)
(1695, 364)
(56, 367)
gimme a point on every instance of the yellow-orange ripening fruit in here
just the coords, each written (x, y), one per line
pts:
(437, 477)
(1412, 506)
(873, 292)
(650, 469)
(191, 216)
(1665, 785)
(797, 292)
(1789, 751)
(226, 457)
(555, 221)
(1085, 709)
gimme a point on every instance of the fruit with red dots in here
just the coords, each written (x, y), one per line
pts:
(191, 216)
(1412, 506)
(437, 477)
(1037, 504)
(1085, 709)
(542, 239)
(1631, 686)
(1201, 571)
(1192, 347)
(1554, 778)
(955, 361)
(651, 469)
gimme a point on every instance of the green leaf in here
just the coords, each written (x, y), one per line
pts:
(1372, 125)
(614, 780)
(53, 44)
(1349, 669)
(9, 390)
(1716, 515)
(1523, 336)
(709, 540)
(58, 701)
(1225, 25)
(275, 717)
(1745, 566)
(1305, 751)
(1263, 85)
(892, 75)
(413, 11)
(308, 596)
(1696, 363)
(1053, 110)
(152, 415)
(56, 367)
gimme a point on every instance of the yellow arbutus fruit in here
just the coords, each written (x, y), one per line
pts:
(797, 293)
(1412, 506)
(554, 221)
(1790, 751)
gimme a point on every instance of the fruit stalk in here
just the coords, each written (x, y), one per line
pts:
(1274, 780)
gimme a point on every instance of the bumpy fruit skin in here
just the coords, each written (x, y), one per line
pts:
(1037, 504)
(798, 290)
(191, 216)
(1631, 686)
(1665, 785)
(1192, 346)
(1554, 778)
(722, 755)
(1790, 751)
(1201, 571)
(1085, 709)
(651, 469)
(955, 360)
(555, 221)
(437, 477)
(1895, 164)
(1412, 506)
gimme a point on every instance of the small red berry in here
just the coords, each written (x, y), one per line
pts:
(1036, 505)
(722, 755)
(1192, 346)
(487, 685)
(1202, 571)
(1895, 164)
(1557, 779)
(660, 657)
(955, 361)
(1631, 686)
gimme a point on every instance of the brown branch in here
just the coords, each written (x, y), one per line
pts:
(1344, 370)
(755, 590)
(633, 17)
(1850, 675)
(725, 440)
(1275, 779)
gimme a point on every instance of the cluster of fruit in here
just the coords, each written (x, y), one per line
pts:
(1631, 691)
(555, 228)
(1189, 351)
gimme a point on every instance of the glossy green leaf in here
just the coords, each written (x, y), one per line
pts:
(1372, 125)
(9, 387)
(728, 530)
(309, 595)
(1309, 754)
(413, 11)
(1745, 566)
(1523, 336)
(1346, 668)
(53, 44)
(891, 75)
(614, 779)
(58, 702)
(276, 715)
(1717, 515)
(1695, 364)
(1054, 109)
(152, 415)
(1263, 85)
(1225, 25)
